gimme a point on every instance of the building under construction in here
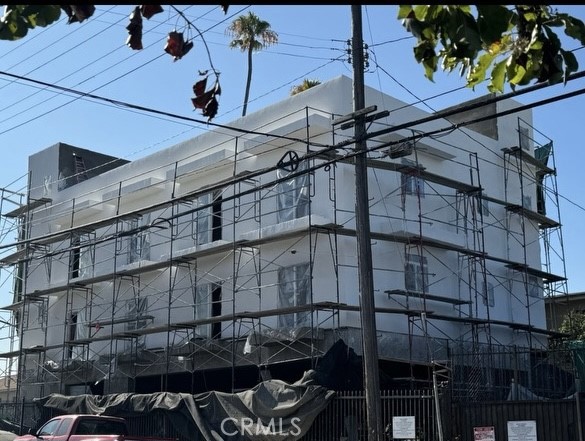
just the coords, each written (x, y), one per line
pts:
(231, 257)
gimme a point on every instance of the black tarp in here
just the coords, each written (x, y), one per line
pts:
(271, 410)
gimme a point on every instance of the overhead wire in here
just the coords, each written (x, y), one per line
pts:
(327, 162)
(44, 49)
(13, 115)
(29, 39)
(299, 77)
(23, 99)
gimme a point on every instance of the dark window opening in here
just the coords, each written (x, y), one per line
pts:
(72, 333)
(216, 219)
(216, 311)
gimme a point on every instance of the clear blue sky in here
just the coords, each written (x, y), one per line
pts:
(92, 57)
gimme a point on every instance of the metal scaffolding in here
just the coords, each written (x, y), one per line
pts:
(153, 276)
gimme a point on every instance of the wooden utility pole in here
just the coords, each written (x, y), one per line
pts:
(364, 248)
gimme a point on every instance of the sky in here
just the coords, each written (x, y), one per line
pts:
(92, 57)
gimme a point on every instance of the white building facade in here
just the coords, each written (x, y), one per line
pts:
(233, 255)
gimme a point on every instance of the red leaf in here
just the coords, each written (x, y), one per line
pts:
(174, 44)
(199, 86)
(210, 108)
(199, 102)
(150, 10)
(134, 28)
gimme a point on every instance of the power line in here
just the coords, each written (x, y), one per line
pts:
(327, 149)
(287, 84)
(44, 49)
(123, 104)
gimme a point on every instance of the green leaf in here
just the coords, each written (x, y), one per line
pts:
(575, 28)
(478, 72)
(529, 16)
(536, 45)
(498, 77)
(43, 15)
(430, 65)
(553, 38)
(404, 11)
(467, 42)
(18, 19)
(433, 12)
(515, 72)
(420, 12)
(493, 21)
(424, 50)
(571, 63)
(463, 8)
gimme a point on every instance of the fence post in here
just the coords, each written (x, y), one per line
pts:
(21, 417)
(438, 413)
(579, 416)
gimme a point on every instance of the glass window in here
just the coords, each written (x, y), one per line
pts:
(482, 207)
(416, 276)
(525, 140)
(202, 307)
(64, 426)
(42, 309)
(201, 225)
(292, 195)
(294, 289)
(81, 257)
(412, 184)
(49, 428)
(139, 240)
(136, 311)
(78, 330)
(533, 286)
(205, 221)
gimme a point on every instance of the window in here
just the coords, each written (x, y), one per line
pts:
(533, 287)
(49, 429)
(88, 426)
(139, 239)
(488, 298)
(524, 138)
(42, 314)
(202, 307)
(292, 195)
(64, 427)
(527, 202)
(81, 256)
(136, 310)
(207, 303)
(75, 257)
(206, 222)
(412, 184)
(416, 275)
(482, 207)
(294, 287)
(77, 330)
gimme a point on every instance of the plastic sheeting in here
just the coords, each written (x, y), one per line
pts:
(271, 410)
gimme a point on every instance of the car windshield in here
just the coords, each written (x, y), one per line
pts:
(100, 427)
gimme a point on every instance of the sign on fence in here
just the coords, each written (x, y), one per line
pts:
(484, 433)
(522, 430)
(403, 427)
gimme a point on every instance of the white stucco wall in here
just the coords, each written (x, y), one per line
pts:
(204, 161)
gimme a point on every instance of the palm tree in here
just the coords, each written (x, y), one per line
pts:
(250, 35)
(306, 84)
